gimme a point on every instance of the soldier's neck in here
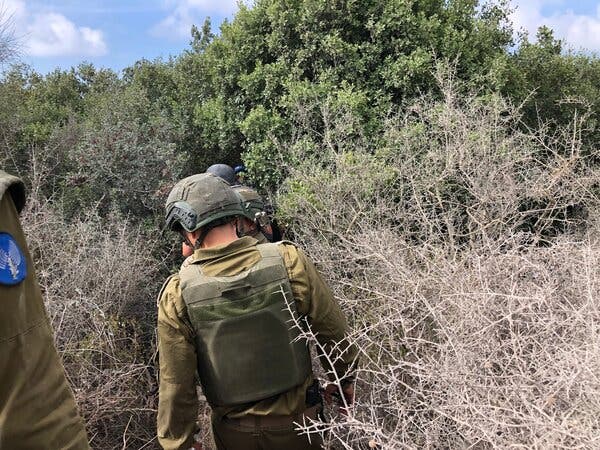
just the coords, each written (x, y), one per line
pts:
(223, 235)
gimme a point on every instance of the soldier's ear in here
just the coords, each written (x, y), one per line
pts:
(190, 237)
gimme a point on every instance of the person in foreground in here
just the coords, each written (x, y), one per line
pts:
(37, 408)
(225, 319)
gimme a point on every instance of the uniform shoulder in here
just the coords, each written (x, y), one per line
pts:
(186, 262)
(169, 287)
(14, 186)
(285, 248)
(293, 256)
(287, 245)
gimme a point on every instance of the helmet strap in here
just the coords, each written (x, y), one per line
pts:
(186, 239)
(208, 227)
(201, 237)
(239, 233)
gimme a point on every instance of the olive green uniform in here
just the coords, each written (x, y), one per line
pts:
(37, 408)
(178, 403)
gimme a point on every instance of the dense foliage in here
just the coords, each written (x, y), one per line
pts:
(239, 93)
(418, 153)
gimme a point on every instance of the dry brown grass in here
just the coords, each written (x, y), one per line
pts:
(99, 279)
(464, 252)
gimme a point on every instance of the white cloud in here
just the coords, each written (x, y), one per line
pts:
(48, 34)
(15, 9)
(185, 13)
(527, 15)
(52, 34)
(578, 31)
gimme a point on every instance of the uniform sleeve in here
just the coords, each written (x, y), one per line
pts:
(177, 398)
(315, 300)
(37, 407)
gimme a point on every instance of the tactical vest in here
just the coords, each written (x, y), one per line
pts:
(247, 347)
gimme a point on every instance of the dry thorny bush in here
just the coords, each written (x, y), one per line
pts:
(460, 247)
(463, 251)
(98, 279)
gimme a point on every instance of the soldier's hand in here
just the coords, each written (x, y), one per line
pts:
(197, 445)
(332, 392)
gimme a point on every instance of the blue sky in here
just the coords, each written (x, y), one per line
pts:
(115, 34)
(108, 33)
(577, 22)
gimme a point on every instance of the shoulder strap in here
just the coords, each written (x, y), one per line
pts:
(164, 286)
(270, 268)
(268, 250)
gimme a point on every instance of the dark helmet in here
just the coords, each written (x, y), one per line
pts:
(199, 200)
(222, 171)
(240, 168)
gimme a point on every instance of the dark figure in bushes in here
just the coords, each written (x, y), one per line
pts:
(226, 318)
(223, 171)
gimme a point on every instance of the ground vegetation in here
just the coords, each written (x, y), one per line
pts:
(443, 174)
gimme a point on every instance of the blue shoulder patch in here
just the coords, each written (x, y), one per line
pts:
(13, 266)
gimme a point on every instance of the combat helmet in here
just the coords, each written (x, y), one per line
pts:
(199, 200)
(223, 171)
(252, 203)
(255, 208)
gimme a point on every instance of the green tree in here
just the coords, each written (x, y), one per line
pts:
(554, 84)
(241, 89)
(201, 37)
(93, 141)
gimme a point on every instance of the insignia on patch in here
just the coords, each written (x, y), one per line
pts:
(13, 267)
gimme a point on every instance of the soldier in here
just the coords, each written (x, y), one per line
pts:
(240, 174)
(226, 319)
(37, 408)
(255, 221)
(223, 171)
